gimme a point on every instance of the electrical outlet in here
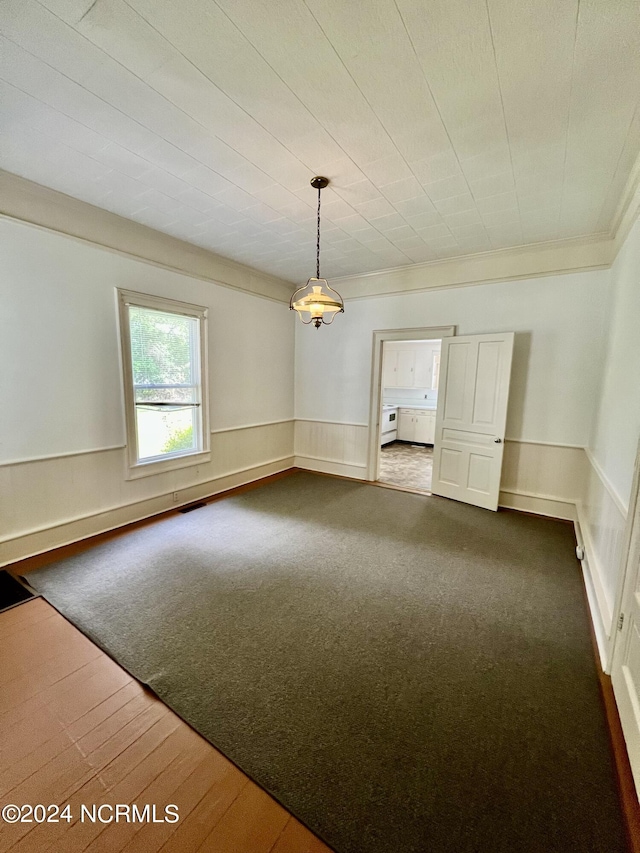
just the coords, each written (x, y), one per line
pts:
(176, 497)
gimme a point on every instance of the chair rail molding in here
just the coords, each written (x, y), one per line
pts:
(39, 515)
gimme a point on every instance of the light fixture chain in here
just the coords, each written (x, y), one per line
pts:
(321, 304)
(318, 241)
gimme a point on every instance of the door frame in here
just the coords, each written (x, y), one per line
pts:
(380, 336)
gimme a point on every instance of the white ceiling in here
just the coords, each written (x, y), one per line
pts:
(447, 127)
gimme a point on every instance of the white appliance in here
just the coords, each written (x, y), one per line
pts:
(389, 426)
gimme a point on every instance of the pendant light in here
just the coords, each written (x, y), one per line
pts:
(316, 299)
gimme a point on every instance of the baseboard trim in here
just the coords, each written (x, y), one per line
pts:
(547, 505)
(624, 774)
(352, 470)
(34, 542)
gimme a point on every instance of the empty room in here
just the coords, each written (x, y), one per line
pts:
(319, 469)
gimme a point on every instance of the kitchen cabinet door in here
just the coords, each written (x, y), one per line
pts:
(432, 428)
(389, 368)
(406, 426)
(406, 364)
(422, 371)
(423, 430)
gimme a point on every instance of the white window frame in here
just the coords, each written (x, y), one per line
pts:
(135, 467)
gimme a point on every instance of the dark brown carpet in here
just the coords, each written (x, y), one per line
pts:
(403, 673)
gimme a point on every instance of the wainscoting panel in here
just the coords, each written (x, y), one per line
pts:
(45, 503)
(48, 502)
(602, 518)
(235, 449)
(332, 447)
(547, 479)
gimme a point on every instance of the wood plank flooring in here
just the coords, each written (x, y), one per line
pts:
(77, 729)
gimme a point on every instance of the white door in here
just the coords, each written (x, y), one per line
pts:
(625, 669)
(472, 413)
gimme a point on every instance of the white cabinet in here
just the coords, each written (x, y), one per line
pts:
(406, 428)
(398, 368)
(423, 369)
(405, 368)
(425, 427)
(389, 367)
(417, 425)
(409, 364)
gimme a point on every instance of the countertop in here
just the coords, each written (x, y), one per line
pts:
(428, 408)
(411, 406)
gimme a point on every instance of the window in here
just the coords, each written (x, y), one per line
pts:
(164, 360)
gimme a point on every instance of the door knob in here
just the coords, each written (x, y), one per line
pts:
(498, 440)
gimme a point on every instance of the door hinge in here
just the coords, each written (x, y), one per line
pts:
(620, 621)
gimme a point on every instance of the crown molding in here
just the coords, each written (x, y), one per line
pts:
(35, 205)
(38, 206)
(530, 261)
(628, 209)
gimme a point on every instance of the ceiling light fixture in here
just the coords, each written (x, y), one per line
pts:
(316, 298)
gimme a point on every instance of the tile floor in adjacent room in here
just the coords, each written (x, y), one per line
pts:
(406, 465)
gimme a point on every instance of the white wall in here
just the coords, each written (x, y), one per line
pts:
(60, 384)
(614, 440)
(617, 426)
(560, 324)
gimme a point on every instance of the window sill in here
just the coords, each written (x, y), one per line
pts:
(159, 466)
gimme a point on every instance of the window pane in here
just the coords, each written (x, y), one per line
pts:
(162, 347)
(165, 355)
(173, 394)
(160, 433)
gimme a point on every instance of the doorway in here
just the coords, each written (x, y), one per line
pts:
(403, 407)
(410, 371)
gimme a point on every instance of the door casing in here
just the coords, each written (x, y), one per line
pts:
(429, 333)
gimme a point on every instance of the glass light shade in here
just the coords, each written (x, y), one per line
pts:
(318, 302)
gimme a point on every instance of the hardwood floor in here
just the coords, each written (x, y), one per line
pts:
(77, 729)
